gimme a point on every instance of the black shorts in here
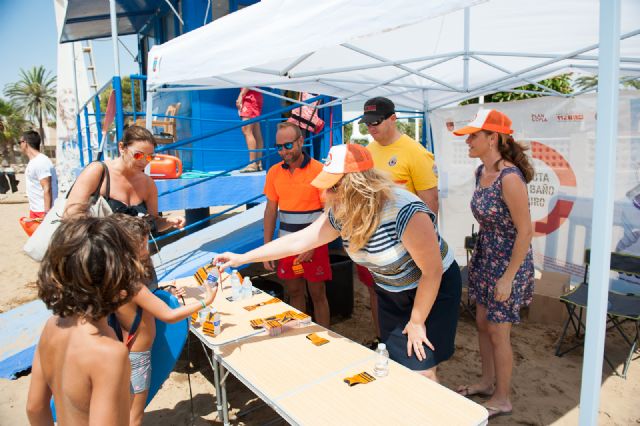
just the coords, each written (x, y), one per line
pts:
(394, 311)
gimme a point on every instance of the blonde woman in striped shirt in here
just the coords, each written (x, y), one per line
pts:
(391, 232)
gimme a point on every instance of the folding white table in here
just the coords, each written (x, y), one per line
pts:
(304, 383)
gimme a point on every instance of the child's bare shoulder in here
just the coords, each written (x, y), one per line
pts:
(107, 349)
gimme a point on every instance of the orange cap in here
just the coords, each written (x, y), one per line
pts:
(487, 119)
(347, 158)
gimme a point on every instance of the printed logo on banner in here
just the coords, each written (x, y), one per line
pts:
(156, 64)
(570, 117)
(539, 118)
(552, 190)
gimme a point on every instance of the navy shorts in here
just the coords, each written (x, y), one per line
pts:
(394, 311)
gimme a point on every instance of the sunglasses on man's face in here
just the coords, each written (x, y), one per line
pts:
(286, 145)
(375, 123)
(138, 155)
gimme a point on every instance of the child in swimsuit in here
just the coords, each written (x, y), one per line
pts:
(137, 318)
(90, 269)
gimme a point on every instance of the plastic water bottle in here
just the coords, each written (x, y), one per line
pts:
(236, 286)
(247, 288)
(212, 280)
(381, 367)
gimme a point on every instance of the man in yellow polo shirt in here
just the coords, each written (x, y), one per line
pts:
(408, 163)
(292, 198)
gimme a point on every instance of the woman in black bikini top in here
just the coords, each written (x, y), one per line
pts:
(125, 186)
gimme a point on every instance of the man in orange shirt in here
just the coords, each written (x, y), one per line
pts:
(292, 198)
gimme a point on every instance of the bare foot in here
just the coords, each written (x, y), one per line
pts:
(498, 408)
(479, 389)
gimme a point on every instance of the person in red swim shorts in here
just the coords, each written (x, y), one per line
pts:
(249, 105)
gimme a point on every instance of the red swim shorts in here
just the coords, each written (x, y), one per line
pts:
(316, 270)
(365, 276)
(251, 104)
(36, 215)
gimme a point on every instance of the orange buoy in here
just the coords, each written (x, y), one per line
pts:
(165, 167)
(29, 225)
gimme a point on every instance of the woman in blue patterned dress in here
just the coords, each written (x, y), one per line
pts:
(391, 232)
(501, 268)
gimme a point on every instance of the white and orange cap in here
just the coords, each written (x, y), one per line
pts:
(487, 119)
(347, 158)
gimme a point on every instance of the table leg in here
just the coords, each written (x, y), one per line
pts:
(215, 366)
(223, 390)
(216, 379)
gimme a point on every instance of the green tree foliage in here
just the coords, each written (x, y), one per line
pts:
(408, 127)
(560, 83)
(127, 103)
(347, 131)
(35, 95)
(590, 82)
(12, 124)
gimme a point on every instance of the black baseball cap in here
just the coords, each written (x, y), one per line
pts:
(376, 109)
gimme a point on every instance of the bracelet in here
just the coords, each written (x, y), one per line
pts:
(203, 304)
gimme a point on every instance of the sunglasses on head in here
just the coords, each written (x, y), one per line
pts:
(137, 155)
(286, 145)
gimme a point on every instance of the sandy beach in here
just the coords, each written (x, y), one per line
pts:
(546, 389)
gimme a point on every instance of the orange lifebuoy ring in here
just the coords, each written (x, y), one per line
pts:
(567, 180)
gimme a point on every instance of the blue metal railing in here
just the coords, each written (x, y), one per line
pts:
(205, 220)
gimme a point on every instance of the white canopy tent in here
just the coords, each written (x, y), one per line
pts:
(425, 55)
(418, 53)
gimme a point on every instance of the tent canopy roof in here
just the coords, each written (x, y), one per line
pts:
(87, 20)
(416, 53)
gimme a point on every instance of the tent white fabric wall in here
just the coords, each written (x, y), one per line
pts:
(412, 51)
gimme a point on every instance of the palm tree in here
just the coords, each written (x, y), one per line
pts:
(12, 124)
(35, 93)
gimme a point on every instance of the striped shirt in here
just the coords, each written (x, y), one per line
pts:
(384, 255)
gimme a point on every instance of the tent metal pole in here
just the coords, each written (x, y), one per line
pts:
(506, 71)
(362, 81)
(551, 61)
(602, 219)
(114, 37)
(552, 56)
(398, 77)
(232, 85)
(402, 67)
(446, 56)
(295, 63)
(595, 67)
(275, 95)
(496, 86)
(467, 23)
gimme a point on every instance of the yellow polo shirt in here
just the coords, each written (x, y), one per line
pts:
(409, 163)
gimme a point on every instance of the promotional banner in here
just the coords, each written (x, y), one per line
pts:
(560, 134)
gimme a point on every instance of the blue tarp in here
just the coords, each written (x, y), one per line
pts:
(21, 329)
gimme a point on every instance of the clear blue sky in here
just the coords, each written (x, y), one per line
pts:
(28, 38)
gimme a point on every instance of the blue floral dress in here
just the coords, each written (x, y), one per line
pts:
(492, 253)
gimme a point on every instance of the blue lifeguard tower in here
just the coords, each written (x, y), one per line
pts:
(201, 127)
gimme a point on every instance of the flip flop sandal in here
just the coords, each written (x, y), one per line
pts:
(496, 412)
